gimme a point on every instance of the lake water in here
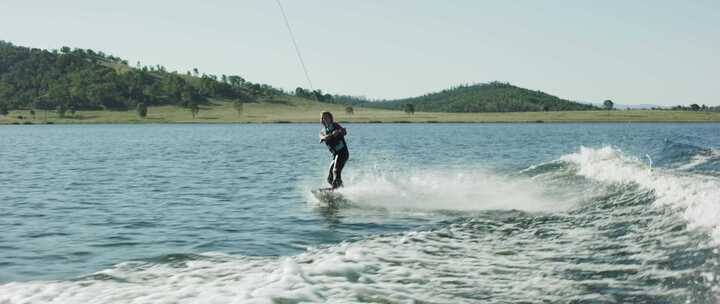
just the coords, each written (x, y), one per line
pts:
(439, 213)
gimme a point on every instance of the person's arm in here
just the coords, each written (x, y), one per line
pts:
(335, 133)
(339, 130)
(342, 130)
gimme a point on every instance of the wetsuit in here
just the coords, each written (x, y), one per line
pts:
(338, 147)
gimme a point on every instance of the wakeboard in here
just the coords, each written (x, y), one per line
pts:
(329, 196)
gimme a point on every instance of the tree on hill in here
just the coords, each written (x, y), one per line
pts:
(236, 81)
(194, 109)
(190, 97)
(244, 96)
(316, 95)
(142, 110)
(238, 106)
(695, 107)
(61, 110)
(45, 104)
(4, 110)
(409, 109)
(608, 104)
(300, 92)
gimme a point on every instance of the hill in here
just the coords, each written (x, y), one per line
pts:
(68, 80)
(487, 97)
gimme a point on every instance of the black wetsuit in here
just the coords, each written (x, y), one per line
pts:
(338, 147)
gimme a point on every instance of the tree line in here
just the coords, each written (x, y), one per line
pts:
(314, 94)
(610, 105)
(692, 107)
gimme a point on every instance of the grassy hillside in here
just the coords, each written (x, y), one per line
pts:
(68, 80)
(488, 97)
(292, 109)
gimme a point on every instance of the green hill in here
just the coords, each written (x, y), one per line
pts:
(489, 97)
(69, 80)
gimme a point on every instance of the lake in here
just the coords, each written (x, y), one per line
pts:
(438, 213)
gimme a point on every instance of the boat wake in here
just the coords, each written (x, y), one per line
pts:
(596, 226)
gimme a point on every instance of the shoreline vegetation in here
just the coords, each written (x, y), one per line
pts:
(298, 110)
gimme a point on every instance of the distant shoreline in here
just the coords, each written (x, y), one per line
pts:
(309, 112)
(366, 123)
(209, 122)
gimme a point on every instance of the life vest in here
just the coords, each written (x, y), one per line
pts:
(338, 143)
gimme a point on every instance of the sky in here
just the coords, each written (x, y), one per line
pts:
(632, 52)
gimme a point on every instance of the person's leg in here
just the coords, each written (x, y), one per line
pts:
(340, 160)
(331, 171)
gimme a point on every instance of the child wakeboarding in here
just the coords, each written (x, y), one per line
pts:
(333, 135)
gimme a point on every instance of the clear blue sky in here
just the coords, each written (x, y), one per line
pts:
(660, 52)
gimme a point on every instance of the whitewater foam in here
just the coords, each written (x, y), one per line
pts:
(504, 257)
(700, 159)
(696, 196)
(450, 265)
(449, 190)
